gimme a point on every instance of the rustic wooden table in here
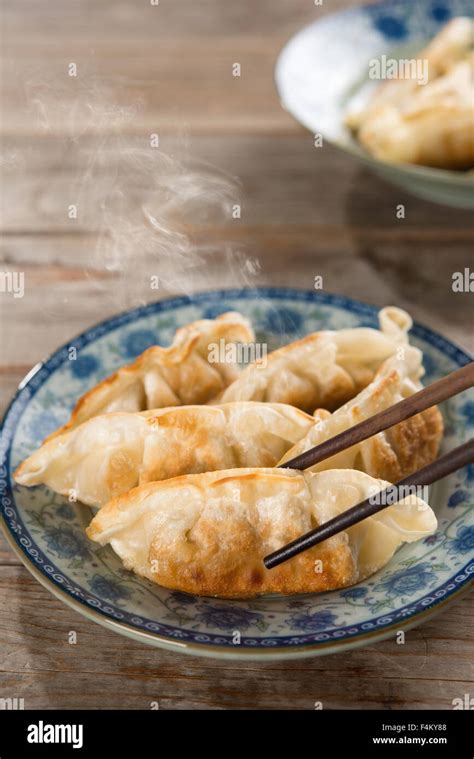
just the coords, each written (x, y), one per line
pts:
(304, 212)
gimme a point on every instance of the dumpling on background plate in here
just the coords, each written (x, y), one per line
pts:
(430, 123)
(207, 534)
(112, 453)
(324, 369)
(178, 375)
(394, 453)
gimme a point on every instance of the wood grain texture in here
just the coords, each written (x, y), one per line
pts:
(172, 61)
(428, 671)
(305, 212)
(283, 181)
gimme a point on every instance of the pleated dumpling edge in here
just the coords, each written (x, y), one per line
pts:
(207, 534)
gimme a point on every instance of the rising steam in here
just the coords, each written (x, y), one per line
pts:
(148, 210)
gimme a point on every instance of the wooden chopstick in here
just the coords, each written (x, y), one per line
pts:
(439, 391)
(443, 466)
(429, 396)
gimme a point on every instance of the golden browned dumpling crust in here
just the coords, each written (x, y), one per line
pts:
(174, 376)
(113, 453)
(395, 453)
(207, 533)
(427, 123)
(325, 369)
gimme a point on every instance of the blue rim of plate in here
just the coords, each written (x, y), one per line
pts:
(162, 635)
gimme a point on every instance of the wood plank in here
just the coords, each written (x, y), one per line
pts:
(7, 557)
(282, 181)
(162, 85)
(175, 59)
(89, 21)
(379, 274)
(41, 666)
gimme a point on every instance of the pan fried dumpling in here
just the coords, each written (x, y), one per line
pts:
(429, 123)
(174, 376)
(394, 453)
(324, 369)
(112, 453)
(207, 533)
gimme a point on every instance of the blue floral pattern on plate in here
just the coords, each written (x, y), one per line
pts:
(137, 341)
(48, 530)
(84, 366)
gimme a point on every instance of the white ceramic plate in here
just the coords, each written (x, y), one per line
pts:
(324, 69)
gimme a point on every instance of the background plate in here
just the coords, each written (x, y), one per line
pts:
(323, 71)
